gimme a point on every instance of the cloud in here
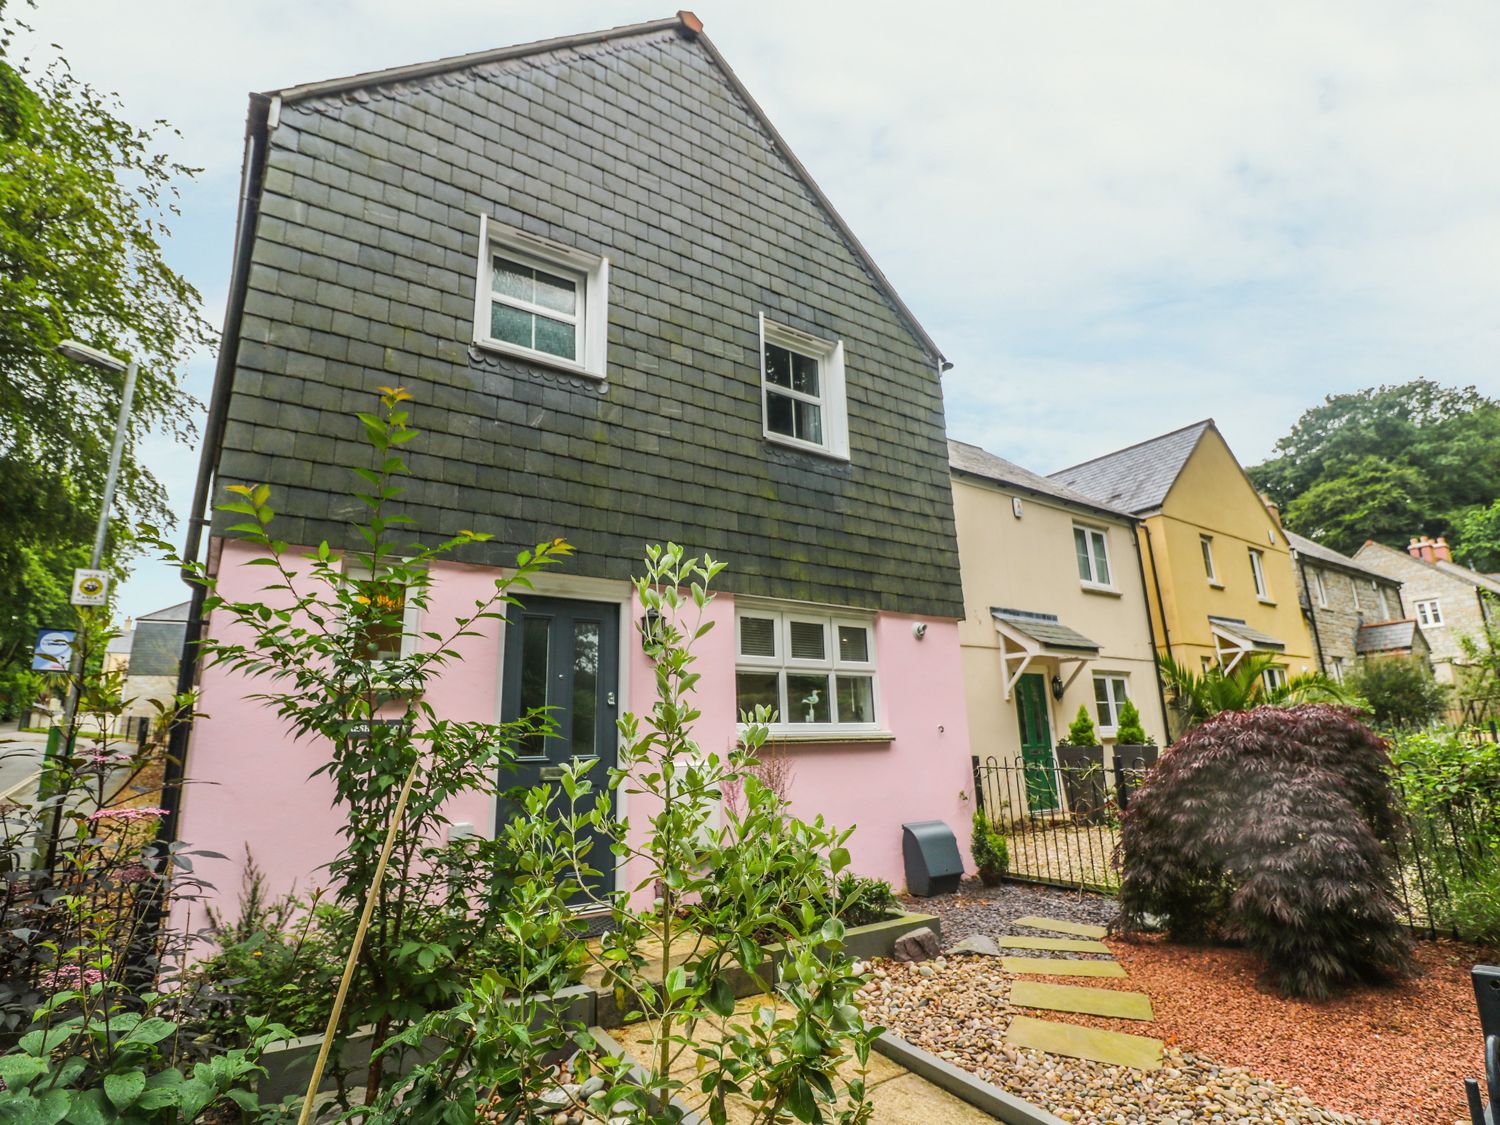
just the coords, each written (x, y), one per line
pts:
(1115, 218)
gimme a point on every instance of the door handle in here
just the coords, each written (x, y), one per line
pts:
(610, 698)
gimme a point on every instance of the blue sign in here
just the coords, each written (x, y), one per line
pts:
(53, 651)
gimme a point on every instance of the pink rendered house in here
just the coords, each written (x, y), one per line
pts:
(627, 315)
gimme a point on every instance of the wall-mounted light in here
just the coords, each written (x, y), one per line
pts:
(1017, 509)
(919, 630)
(1057, 687)
(650, 624)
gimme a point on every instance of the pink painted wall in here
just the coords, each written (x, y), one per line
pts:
(250, 784)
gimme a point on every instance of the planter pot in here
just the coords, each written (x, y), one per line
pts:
(991, 878)
(1082, 769)
(1135, 757)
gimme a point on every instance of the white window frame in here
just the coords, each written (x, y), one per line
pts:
(783, 663)
(1321, 587)
(1206, 546)
(1274, 677)
(1258, 572)
(589, 270)
(1429, 613)
(358, 570)
(1337, 670)
(830, 400)
(1354, 592)
(1094, 536)
(1114, 682)
(1385, 605)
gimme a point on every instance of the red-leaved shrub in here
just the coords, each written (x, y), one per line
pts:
(1273, 827)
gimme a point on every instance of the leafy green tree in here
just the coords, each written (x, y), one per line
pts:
(84, 202)
(1371, 499)
(1398, 692)
(1195, 698)
(1477, 533)
(1438, 454)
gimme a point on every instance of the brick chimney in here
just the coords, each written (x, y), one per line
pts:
(1440, 552)
(1425, 549)
(1271, 507)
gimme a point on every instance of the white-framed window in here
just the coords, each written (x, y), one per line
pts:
(1320, 588)
(1258, 572)
(816, 670)
(802, 390)
(1206, 544)
(1091, 545)
(1385, 606)
(539, 300)
(1429, 613)
(390, 637)
(1338, 670)
(1274, 677)
(1110, 693)
(1354, 593)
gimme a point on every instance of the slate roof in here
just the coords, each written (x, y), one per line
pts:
(1386, 636)
(1137, 478)
(1316, 552)
(638, 145)
(1045, 629)
(1256, 638)
(1483, 581)
(974, 461)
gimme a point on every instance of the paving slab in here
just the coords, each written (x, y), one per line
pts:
(1077, 998)
(1053, 944)
(1057, 925)
(1061, 967)
(1113, 1047)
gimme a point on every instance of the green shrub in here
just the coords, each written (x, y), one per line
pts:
(1130, 732)
(990, 851)
(863, 901)
(1399, 693)
(1273, 827)
(1081, 729)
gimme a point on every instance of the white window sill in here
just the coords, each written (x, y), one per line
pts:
(1215, 585)
(1266, 601)
(1095, 588)
(806, 447)
(828, 737)
(541, 359)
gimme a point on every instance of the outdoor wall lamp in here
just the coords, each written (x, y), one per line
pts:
(1057, 687)
(650, 621)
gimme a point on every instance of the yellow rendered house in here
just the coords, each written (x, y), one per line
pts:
(1218, 564)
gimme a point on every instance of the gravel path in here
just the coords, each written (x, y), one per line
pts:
(957, 1009)
(977, 909)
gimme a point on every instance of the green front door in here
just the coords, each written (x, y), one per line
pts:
(1036, 743)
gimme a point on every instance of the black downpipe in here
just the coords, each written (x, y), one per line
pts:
(1312, 616)
(1140, 565)
(256, 132)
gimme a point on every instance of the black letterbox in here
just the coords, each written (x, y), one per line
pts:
(933, 865)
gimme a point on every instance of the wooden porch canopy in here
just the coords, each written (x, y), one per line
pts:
(1233, 640)
(1024, 636)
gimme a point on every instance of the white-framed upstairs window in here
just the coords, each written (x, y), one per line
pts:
(1354, 593)
(391, 631)
(1385, 605)
(1110, 693)
(1206, 545)
(538, 300)
(1429, 613)
(1258, 572)
(802, 390)
(1091, 546)
(817, 671)
(1320, 588)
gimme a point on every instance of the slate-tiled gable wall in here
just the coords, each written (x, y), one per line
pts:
(363, 273)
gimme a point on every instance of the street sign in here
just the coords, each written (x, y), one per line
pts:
(90, 587)
(53, 651)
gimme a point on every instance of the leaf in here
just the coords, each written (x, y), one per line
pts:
(123, 1089)
(720, 998)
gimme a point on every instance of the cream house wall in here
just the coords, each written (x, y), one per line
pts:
(1028, 563)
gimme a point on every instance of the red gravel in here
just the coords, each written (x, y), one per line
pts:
(1399, 1054)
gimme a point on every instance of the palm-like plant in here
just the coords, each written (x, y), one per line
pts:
(1198, 696)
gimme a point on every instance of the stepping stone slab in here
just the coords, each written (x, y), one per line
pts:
(1057, 925)
(1061, 967)
(1113, 1047)
(1075, 998)
(1053, 944)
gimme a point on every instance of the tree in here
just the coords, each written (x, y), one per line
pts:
(1398, 692)
(1373, 498)
(1195, 698)
(1438, 452)
(84, 198)
(1477, 533)
(1273, 827)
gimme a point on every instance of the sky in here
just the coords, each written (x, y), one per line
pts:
(1114, 219)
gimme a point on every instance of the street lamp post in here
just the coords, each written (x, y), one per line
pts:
(93, 357)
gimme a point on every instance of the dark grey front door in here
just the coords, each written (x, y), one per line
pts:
(564, 655)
